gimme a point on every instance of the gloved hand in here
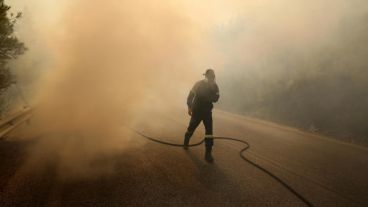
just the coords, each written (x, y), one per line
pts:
(190, 111)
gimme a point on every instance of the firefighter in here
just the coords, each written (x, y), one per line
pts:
(200, 103)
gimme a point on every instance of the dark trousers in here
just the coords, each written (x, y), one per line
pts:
(195, 120)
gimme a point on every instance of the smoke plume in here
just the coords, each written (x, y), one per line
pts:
(100, 63)
(109, 59)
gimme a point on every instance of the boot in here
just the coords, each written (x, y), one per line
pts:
(208, 155)
(186, 140)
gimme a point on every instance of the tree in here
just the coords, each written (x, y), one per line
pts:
(10, 46)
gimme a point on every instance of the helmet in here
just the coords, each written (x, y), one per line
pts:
(209, 73)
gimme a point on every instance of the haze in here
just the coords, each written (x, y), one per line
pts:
(93, 65)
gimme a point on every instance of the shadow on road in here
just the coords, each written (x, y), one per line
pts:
(12, 155)
(152, 175)
(215, 180)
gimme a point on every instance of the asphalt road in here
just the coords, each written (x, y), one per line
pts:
(326, 172)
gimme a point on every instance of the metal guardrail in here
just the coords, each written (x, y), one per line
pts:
(13, 121)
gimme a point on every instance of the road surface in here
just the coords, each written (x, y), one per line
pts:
(326, 172)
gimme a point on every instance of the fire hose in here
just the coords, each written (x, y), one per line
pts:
(241, 154)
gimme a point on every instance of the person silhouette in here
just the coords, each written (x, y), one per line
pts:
(200, 104)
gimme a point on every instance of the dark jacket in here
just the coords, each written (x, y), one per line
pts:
(202, 95)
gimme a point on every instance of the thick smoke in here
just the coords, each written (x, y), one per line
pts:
(102, 62)
(300, 63)
(108, 60)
